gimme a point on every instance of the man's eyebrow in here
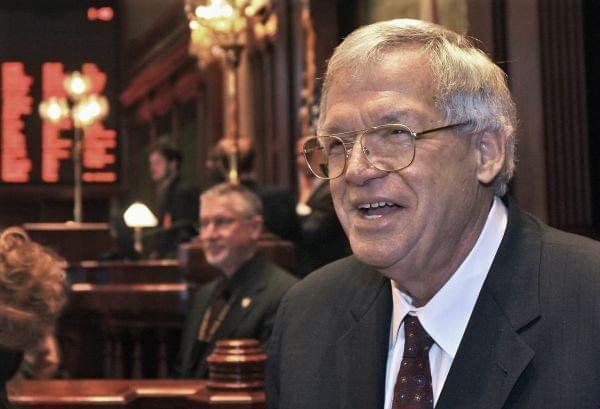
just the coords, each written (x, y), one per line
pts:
(394, 117)
(333, 128)
(391, 117)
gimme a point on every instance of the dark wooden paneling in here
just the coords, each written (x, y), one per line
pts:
(564, 101)
(73, 241)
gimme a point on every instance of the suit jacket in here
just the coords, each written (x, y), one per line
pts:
(533, 340)
(256, 290)
(179, 205)
(279, 210)
(323, 239)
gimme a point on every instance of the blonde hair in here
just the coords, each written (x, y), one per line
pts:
(252, 204)
(468, 86)
(32, 292)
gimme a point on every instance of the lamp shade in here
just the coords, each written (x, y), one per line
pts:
(138, 215)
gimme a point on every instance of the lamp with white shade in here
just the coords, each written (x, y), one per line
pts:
(138, 216)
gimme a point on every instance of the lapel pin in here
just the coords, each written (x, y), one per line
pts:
(246, 302)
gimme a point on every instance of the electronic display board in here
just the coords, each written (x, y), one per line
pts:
(40, 44)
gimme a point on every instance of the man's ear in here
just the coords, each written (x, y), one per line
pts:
(491, 155)
(173, 166)
(257, 227)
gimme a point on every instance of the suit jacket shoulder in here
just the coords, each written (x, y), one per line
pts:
(532, 339)
(331, 288)
(331, 335)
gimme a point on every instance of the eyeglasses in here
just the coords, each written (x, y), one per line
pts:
(389, 148)
(221, 223)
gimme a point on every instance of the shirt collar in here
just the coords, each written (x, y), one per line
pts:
(446, 315)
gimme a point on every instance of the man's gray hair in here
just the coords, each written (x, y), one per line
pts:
(468, 86)
(253, 205)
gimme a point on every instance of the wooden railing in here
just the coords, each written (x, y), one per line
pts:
(124, 318)
(125, 394)
(236, 381)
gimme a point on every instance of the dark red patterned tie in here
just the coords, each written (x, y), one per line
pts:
(413, 384)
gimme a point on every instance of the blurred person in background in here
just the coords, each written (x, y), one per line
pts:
(32, 293)
(279, 216)
(323, 239)
(175, 203)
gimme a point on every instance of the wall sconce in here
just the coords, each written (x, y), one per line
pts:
(222, 29)
(139, 216)
(83, 109)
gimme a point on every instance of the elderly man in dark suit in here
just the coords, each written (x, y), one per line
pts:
(453, 298)
(242, 302)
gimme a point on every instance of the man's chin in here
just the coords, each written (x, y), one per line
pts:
(376, 257)
(215, 260)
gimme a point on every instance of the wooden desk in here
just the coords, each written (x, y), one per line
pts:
(73, 241)
(139, 394)
(122, 330)
(125, 272)
(124, 318)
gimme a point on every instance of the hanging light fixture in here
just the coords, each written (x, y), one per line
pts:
(222, 29)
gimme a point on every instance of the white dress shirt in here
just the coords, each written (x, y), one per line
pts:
(446, 315)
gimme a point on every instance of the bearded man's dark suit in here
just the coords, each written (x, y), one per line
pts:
(256, 291)
(533, 340)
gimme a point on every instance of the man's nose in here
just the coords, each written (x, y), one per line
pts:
(209, 231)
(358, 168)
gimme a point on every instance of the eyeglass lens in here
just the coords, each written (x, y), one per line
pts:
(387, 147)
(218, 222)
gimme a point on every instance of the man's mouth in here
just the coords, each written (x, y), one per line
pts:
(375, 210)
(213, 248)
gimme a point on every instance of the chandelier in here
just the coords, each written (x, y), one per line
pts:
(217, 26)
(221, 30)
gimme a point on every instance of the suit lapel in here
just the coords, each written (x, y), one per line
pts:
(250, 282)
(246, 283)
(492, 354)
(190, 353)
(361, 351)
(239, 310)
(489, 361)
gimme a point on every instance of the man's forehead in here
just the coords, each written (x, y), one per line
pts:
(377, 109)
(405, 60)
(397, 89)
